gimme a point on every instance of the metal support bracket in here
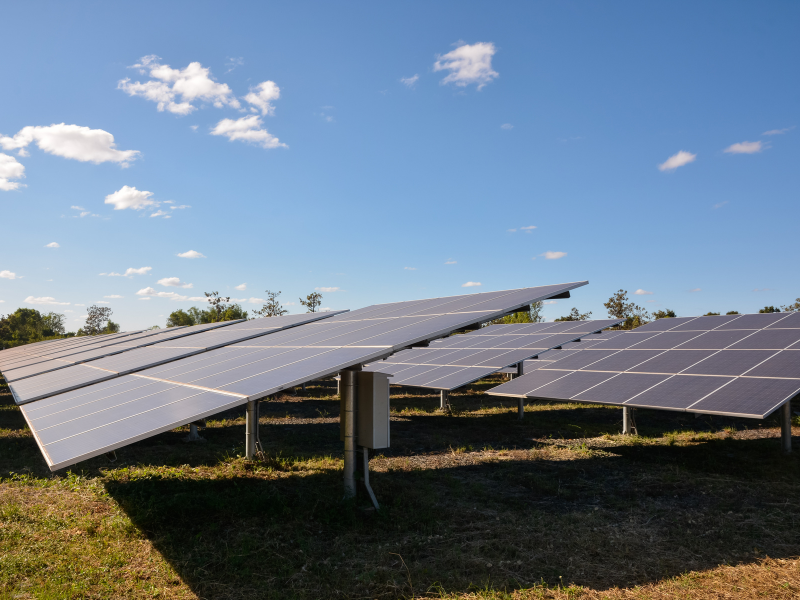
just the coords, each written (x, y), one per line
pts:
(252, 443)
(444, 399)
(193, 436)
(521, 409)
(348, 387)
(628, 421)
(786, 426)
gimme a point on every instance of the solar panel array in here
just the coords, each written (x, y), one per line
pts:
(461, 359)
(72, 425)
(737, 365)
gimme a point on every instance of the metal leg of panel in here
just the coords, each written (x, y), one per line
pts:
(786, 427)
(348, 386)
(626, 421)
(193, 436)
(521, 369)
(365, 454)
(444, 399)
(304, 388)
(521, 408)
(251, 442)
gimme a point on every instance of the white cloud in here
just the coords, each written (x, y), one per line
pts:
(113, 296)
(641, 292)
(762, 290)
(778, 131)
(52, 245)
(194, 127)
(506, 126)
(262, 95)
(8, 275)
(130, 197)
(102, 302)
(73, 207)
(174, 282)
(528, 229)
(241, 287)
(44, 300)
(71, 141)
(745, 148)
(130, 272)
(257, 301)
(76, 304)
(194, 83)
(468, 64)
(10, 169)
(191, 254)
(450, 262)
(471, 284)
(410, 268)
(695, 290)
(247, 129)
(720, 204)
(409, 81)
(677, 160)
(290, 303)
(550, 255)
(181, 207)
(145, 298)
(328, 289)
(511, 230)
(549, 301)
(161, 213)
(150, 292)
(233, 63)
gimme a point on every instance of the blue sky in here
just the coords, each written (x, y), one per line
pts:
(383, 152)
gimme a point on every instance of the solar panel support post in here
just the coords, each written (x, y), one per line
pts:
(252, 443)
(627, 418)
(349, 391)
(444, 399)
(786, 426)
(521, 408)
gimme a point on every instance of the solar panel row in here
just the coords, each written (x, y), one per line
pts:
(746, 365)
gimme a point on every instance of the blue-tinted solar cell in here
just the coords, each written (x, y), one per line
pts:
(672, 361)
(715, 340)
(772, 339)
(664, 324)
(570, 386)
(678, 392)
(729, 362)
(705, 323)
(622, 360)
(754, 321)
(792, 321)
(630, 338)
(749, 397)
(582, 359)
(620, 388)
(527, 384)
(784, 364)
(667, 340)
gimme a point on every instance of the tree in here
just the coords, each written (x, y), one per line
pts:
(273, 306)
(532, 315)
(97, 320)
(792, 307)
(711, 314)
(312, 301)
(218, 304)
(664, 314)
(619, 307)
(732, 312)
(769, 309)
(181, 318)
(53, 324)
(574, 315)
(27, 325)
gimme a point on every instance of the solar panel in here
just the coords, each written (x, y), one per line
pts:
(466, 358)
(190, 388)
(736, 365)
(139, 353)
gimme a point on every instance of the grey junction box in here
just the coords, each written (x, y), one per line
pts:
(372, 413)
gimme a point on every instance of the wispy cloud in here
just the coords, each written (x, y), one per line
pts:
(409, 81)
(234, 62)
(528, 229)
(778, 131)
(471, 284)
(763, 290)
(191, 254)
(677, 160)
(745, 148)
(130, 272)
(641, 292)
(328, 289)
(53, 245)
(450, 262)
(113, 296)
(45, 300)
(550, 255)
(506, 126)
(174, 282)
(153, 293)
(247, 129)
(720, 204)
(468, 64)
(241, 287)
(693, 290)
(410, 268)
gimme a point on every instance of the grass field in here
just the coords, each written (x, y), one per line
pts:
(475, 504)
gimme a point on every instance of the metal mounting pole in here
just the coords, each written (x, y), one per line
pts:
(520, 369)
(521, 408)
(348, 387)
(444, 399)
(626, 421)
(786, 426)
(251, 441)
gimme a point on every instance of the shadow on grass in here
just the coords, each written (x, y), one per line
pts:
(631, 516)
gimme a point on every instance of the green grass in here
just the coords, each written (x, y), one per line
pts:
(475, 504)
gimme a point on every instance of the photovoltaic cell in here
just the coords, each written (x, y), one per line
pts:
(678, 392)
(620, 388)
